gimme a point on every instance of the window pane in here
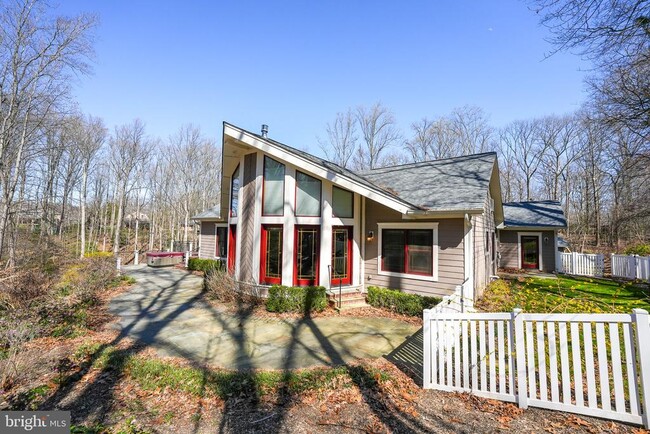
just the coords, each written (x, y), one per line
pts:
(234, 192)
(393, 250)
(307, 195)
(273, 264)
(273, 187)
(420, 252)
(342, 205)
(221, 245)
(307, 254)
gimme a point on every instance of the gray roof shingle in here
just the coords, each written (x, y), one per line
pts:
(543, 213)
(458, 183)
(209, 214)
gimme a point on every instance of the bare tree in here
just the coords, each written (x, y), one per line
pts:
(38, 54)
(130, 149)
(613, 34)
(91, 138)
(379, 132)
(520, 140)
(341, 140)
(472, 130)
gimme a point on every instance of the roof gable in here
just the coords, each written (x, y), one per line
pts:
(318, 167)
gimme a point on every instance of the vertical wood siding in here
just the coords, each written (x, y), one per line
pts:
(246, 221)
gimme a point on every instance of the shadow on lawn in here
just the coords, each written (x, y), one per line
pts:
(241, 390)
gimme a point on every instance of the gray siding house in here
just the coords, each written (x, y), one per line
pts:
(431, 228)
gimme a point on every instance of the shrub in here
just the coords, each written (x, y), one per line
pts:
(205, 265)
(296, 299)
(400, 302)
(638, 249)
(97, 254)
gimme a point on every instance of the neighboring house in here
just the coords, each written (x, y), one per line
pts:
(288, 217)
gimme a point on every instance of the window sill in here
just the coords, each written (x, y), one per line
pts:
(408, 276)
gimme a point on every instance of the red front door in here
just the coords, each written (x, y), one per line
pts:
(341, 255)
(306, 253)
(530, 252)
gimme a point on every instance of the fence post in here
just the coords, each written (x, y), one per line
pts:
(520, 354)
(426, 336)
(136, 258)
(187, 259)
(574, 262)
(643, 351)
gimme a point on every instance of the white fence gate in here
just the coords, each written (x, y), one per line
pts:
(591, 364)
(631, 266)
(581, 264)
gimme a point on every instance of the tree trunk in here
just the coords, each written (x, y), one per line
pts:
(84, 182)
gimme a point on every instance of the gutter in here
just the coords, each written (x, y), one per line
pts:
(442, 213)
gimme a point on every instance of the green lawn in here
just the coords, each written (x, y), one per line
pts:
(570, 294)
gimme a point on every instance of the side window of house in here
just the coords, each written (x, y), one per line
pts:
(234, 192)
(221, 248)
(407, 251)
(273, 194)
(308, 195)
(342, 203)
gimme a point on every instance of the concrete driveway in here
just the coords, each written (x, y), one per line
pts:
(166, 309)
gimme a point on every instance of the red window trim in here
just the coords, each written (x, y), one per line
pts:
(348, 280)
(406, 252)
(351, 199)
(263, 277)
(232, 247)
(295, 195)
(264, 186)
(305, 282)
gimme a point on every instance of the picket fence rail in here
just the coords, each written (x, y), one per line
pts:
(631, 266)
(581, 264)
(590, 364)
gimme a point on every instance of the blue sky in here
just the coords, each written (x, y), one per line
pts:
(294, 64)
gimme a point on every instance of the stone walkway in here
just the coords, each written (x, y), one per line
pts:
(166, 309)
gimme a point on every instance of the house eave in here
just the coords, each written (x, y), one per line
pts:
(441, 213)
(336, 178)
(530, 227)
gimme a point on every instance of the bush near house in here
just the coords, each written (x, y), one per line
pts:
(205, 265)
(400, 302)
(296, 299)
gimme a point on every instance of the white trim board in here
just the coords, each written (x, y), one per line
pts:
(539, 248)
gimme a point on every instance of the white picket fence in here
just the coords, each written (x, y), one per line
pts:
(581, 264)
(631, 266)
(591, 364)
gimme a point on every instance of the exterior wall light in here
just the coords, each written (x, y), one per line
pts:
(371, 236)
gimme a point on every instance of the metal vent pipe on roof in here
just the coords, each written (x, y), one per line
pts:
(265, 131)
